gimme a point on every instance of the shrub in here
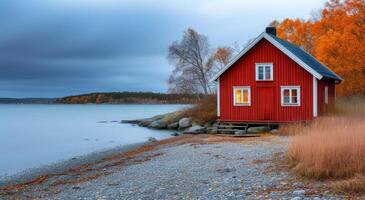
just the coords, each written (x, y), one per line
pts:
(203, 112)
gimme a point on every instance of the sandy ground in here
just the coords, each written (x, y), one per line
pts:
(184, 167)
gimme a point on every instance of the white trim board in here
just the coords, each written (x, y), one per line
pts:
(315, 97)
(277, 45)
(218, 99)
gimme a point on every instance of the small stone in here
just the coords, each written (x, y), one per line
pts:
(175, 134)
(225, 170)
(152, 139)
(76, 188)
(298, 184)
(316, 198)
(283, 183)
(299, 192)
(296, 198)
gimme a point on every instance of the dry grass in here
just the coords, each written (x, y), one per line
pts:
(355, 185)
(333, 146)
(203, 112)
(292, 129)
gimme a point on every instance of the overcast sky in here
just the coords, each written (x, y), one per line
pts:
(53, 48)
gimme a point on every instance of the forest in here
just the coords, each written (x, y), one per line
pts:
(130, 98)
(335, 35)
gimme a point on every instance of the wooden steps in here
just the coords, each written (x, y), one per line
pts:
(230, 128)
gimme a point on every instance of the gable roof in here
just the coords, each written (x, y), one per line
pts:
(305, 60)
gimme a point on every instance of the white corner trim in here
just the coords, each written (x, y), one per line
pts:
(276, 44)
(248, 88)
(315, 97)
(218, 99)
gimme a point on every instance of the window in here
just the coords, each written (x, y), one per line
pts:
(326, 94)
(242, 96)
(290, 96)
(264, 72)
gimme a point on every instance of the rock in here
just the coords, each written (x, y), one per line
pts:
(152, 139)
(159, 124)
(196, 129)
(274, 131)
(184, 123)
(226, 170)
(258, 129)
(296, 198)
(175, 134)
(316, 198)
(208, 124)
(298, 184)
(212, 130)
(76, 188)
(174, 125)
(299, 192)
(239, 132)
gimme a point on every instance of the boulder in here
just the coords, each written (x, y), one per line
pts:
(184, 123)
(174, 125)
(196, 129)
(158, 124)
(258, 129)
(212, 130)
(152, 139)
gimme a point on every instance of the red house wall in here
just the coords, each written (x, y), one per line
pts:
(286, 72)
(331, 95)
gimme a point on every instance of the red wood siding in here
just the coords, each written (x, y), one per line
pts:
(286, 73)
(331, 95)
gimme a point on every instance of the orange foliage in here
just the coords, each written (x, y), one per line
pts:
(337, 39)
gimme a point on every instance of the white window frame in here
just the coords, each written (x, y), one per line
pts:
(290, 88)
(248, 88)
(257, 65)
(326, 94)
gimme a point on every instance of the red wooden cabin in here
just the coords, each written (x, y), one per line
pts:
(273, 81)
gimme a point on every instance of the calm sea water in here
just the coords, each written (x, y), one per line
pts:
(36, 135)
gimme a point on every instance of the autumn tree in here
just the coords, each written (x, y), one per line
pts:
(195, 63)
(191, 58)
(336, 38)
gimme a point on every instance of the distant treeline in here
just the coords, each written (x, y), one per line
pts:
(27, 100)
(131, 98)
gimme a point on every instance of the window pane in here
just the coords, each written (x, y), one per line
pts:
(286, 93)
(238, 96)
(286, 100)
(267, 73)
(294, 92)
(261, 72)
(294, 99)
(245, 96)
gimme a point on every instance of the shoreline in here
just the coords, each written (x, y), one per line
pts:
(80, 164)
(63, 165)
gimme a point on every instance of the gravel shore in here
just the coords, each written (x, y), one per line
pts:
(211, 167)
